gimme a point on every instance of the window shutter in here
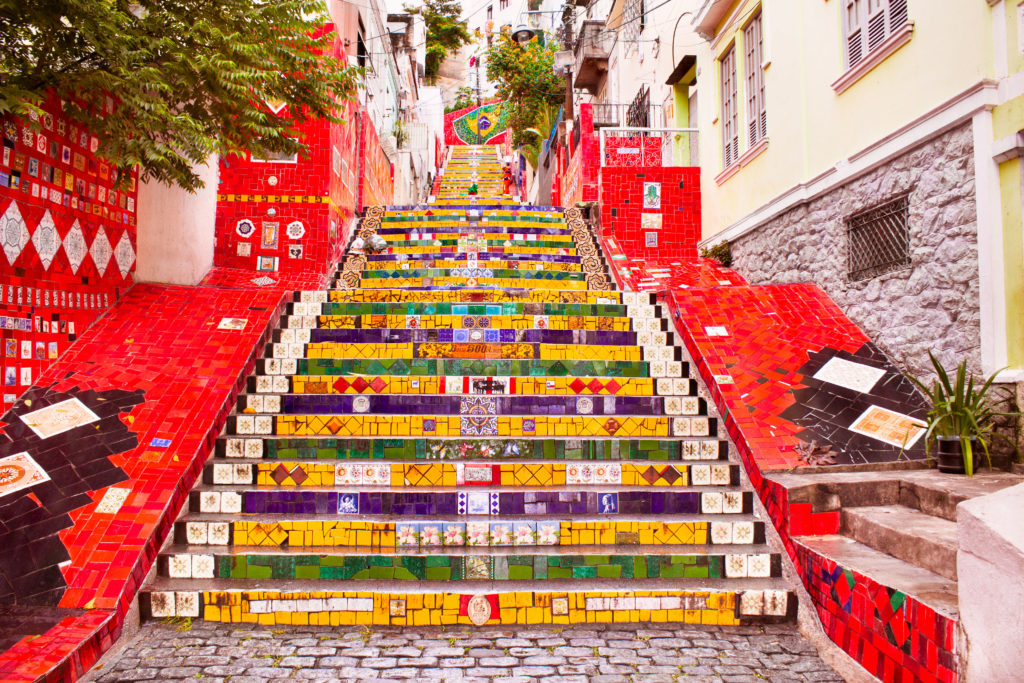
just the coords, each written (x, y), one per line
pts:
(876, 30)
(730, 131)
(897, 14)
(853, 21)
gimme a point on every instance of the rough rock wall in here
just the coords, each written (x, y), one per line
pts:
(931, 304)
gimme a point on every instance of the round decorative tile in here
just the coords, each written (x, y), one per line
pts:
(295, 230)
(584, 406)
(245, 228)
(361, 404)
(479, 610)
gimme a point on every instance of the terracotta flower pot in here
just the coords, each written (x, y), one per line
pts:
(950, 455)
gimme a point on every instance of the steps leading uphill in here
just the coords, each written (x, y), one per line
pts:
(472, 427)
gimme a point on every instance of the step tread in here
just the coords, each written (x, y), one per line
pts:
(689, 584)
(484, 551)
(938, 592)
(907, 534)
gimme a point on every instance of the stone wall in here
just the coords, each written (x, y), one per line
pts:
(931, 304)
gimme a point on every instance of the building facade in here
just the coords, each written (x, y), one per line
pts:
(873, 147)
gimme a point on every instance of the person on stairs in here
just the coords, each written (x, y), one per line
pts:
(506, 179)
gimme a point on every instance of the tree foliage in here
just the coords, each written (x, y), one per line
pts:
(188, 78)
(445, 33)
(523, 75)
(464, 97)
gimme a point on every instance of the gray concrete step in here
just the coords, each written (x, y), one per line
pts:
(938, 592)
(905, 533)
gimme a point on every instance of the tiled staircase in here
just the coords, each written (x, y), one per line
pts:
(472, 428)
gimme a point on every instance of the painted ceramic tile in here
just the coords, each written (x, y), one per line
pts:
(20, 471)
(888, 426)
(59, 418)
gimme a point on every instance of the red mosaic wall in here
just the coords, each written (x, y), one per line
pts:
(665, 226)
(289, 215)
(620, 151)
(190, 369)
(376, 180)
(579, 182)
(771, 331)
(67, 234)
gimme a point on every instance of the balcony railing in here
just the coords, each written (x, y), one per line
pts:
(627, 146)
(617, 115)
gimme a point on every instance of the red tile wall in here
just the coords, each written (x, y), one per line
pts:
(622, 207)
(376, 181)
(48, 297)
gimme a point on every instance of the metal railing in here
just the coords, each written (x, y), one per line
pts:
(673, 146)
(616, 115)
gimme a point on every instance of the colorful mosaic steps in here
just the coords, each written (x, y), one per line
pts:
(282, 448)
(372, 608)
(581, 536)
(487, 566)
(451, 434)
(283, 473)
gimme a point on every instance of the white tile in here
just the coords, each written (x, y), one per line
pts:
(254, 448)
(759, 566)
(209, 501)
(186, 603)
(195, 533)
(736, 566)
(242, 473)
(845, 373)
(202, 566)
(711, 503)
(223, 473)
(179, 566)
(752, 603)
(161, 604)
(231, 502)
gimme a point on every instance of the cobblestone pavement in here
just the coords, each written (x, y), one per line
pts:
(171, 650)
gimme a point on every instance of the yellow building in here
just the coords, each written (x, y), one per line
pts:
(873, 147)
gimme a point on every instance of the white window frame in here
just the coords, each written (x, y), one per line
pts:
(753, 53)
(730, 112)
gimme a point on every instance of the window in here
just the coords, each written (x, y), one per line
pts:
(730, 124)
(633, 20)
(868, 23)
(757, 117)
(502, 4)
(879, 239)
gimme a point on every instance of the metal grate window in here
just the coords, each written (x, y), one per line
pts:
(878, 239)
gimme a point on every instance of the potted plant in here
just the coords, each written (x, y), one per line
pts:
(963, 417)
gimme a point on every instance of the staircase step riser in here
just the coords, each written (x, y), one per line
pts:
(502, 426)
(330, 448)
(271, 608)
(396, 404)
(283, 473)
(585, 569)
(565, 536)
(444, 503)
(426, 367)
(261, 387)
